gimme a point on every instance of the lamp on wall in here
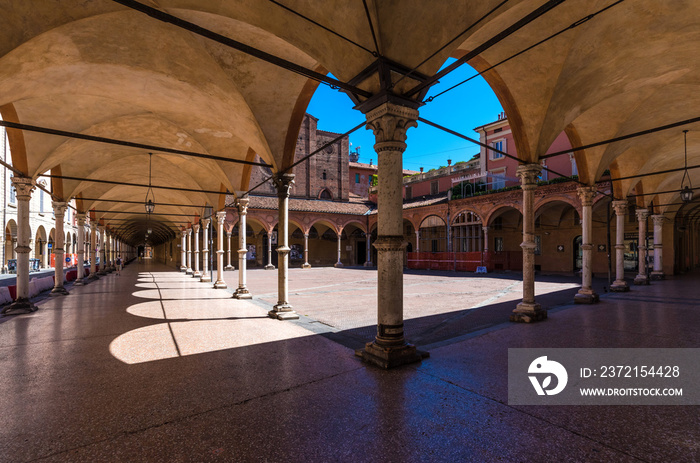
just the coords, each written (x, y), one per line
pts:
(687, 190)
(150, 197)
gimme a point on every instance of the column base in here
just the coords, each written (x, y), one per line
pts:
(283, 311)
(102, 273)
(20, 306)
(306, 265)
(220, 284)
(205, 278)
(59, 291)
(93, 277)
(527, 312)
(338, 265)
(229, 267)
(269, 267)
(641, 280)
(390, 356)
(586, 297)
(243, 293)
(79, 282)
(658, 276)
(183, 269)
(619, 286)
(188, 271)
(197, 274)
(368, 264)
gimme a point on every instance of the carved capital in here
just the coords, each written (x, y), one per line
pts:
(528, 173)
(658, 219)
(80, 217)
(24, 187)
(59, 209)
(485, 229)
(389, 124)
(284, 184)
(642, 214)
(242, 204)
(620, 207)
(586, 194)
(195, 227)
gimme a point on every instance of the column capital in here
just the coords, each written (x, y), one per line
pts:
(389, 124)
(620, 207)
(528, 173)
(80, 217)
(658, 219)
(93, 225)
(221, 218)
(306, 235)
(24, 186)
(229, 234)
(642, 214)
(284, 183)
(242, 205)
(188, 232)
(59, 208)
(196, 227)
(485, 229)
(205, 222)
(586, 194)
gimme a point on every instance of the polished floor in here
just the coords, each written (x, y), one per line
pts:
(154, 366)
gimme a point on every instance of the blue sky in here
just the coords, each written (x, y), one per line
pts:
(462, 109)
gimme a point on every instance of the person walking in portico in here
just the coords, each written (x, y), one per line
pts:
(119, 265)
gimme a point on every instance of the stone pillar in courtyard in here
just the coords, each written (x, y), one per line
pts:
(228, 251)
(340, 248)
(306, 252)
(80, 265)
(93, 251)
(242, 290)
(59, 211)
(283, 309)
(417, 240)
(641, 278)
(586, 294)
(389, 123)
(183, 251)
(368, 251)
(658, 273)
(528, 310)
(269, 265)
(619, 285)
(103, 255)
(24, 187)
(206, 277)
(188, 270)
(196, 273)
(220, 219)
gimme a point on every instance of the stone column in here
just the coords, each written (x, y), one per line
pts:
(368, 251)
(103, 254)
(619, 285)
(206, 277)
(528, 310)
(269, 265)
(242, 290)
(196, 273)
(23, 187)
(486, 239)
(306, 251)
(418, 240)
(220, 220)
(340, 249)
(283, 310)
(188, 270)
(59, 210)
(80, 265)
(183, 251)
(389, 123)
(641, 278)
(228, 252)
(658, 273)
(586, 295)
(93, 251)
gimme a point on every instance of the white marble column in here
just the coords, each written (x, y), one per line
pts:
(528, 310)
(196, 273)
(619, 285)
(220, 220)
(283, 309)
(368, 251)
(24, 187)
(228, 251)
(102, 268)
(658, 273)
(93, 251)
(641, 278)
(183, 251)
(242, 290)
(306, 252)
(80, 265)
(340, 248)
(206, 277)
(188, 270)
(269, 265)
(389, 123)
(59, 210)
(586, 294)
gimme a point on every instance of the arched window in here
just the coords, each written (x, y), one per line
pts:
(433, 235)
(467, 233)
(325, 193)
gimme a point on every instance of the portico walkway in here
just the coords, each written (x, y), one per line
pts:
(154, 366)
